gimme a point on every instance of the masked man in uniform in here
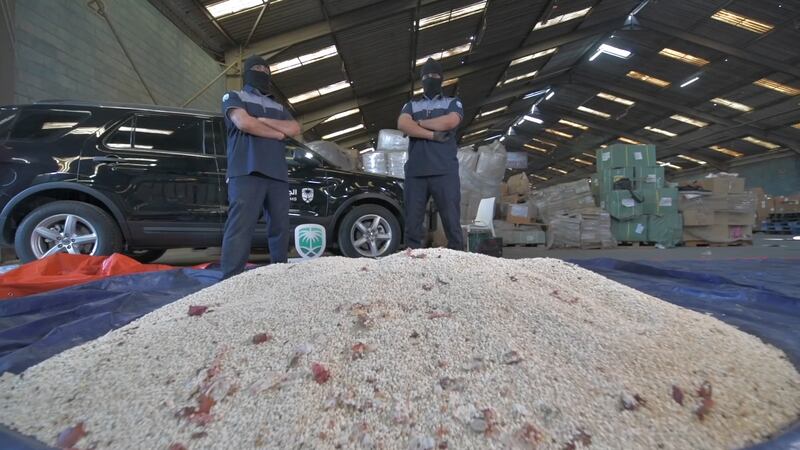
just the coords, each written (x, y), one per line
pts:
(432, 168)
(257, 170)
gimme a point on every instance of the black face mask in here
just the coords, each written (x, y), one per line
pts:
(431, 86)
(254, 78)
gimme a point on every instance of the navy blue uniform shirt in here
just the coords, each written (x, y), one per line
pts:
(252, 154)
(426, 158)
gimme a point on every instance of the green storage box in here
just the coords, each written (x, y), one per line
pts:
(619, 155)
(608, 176)
(659, 201)
(666, 230)
(622, 206)
(634, 230)
(649, 176)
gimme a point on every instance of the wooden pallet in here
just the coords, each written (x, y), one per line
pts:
(716, 244)
(525, 245)
(635, 244)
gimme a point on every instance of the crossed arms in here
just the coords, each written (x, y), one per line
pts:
(263, 127)
(426, 129)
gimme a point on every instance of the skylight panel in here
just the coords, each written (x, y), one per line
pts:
(647, 78)
(628, 140)
(731, 104)
(614, 98)
(797, 125)
(694, 160)
(573, 124)
(304, 60)
(684, 57)
(777, 87)
(533, 56)
(611, 50)
(319, 92)
(532, 119)
(342, 114)
(589, 155)
(556, 169)
(670, 165)
(444, 54)
(743, 22)
(582, 161)
(446, 83)
(594, 111)
(660, 131)
(761, 143)
(726, 151)
(474, 133)
(228, 7)
(490, 112)
(544, 142)
(561, 19)
(559, 133)
(453, 14)
(538, 149)
(540, 177)
(343, 132)
(518, 78)
(689, 120)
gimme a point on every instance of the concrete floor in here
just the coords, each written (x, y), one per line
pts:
(764, 246)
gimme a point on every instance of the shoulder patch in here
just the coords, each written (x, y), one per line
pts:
(458, 103)
(226, 97)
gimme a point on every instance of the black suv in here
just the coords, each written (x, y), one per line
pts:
(96, 179)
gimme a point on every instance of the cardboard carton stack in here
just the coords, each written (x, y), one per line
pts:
(717, 209)
(517, 216)
(632, 188)
(481, 173)
(573, 220)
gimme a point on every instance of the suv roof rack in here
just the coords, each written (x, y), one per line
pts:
(118, 105)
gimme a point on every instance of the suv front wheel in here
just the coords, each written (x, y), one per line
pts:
(66, 227)
(369, 231)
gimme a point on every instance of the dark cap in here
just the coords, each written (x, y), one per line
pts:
(431, 66)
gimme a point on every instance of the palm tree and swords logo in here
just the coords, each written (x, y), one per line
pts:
(309, 240)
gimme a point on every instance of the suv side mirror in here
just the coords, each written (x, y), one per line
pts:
(305, 157)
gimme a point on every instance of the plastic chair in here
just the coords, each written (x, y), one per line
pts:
(484, 219)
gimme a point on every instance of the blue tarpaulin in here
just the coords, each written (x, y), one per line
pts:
(759, 296)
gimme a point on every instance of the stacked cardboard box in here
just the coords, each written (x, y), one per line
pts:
(632, 188)
(573, 220)
(718, 211)
(481, 173)
(517, 215)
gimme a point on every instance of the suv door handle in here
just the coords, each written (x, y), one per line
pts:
(110, 158)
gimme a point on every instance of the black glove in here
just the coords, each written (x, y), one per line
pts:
(442, 136)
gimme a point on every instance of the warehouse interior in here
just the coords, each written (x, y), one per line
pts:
(629, 183)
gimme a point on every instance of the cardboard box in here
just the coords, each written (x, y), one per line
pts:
(649, 176)
(621, 155)
(503, 189)
(666, 230)
(634, 230)
(718, 233)
(733, 218)
(723, 185)
(520, 213)
(698, 217)
(659, 201)
(622, 206)
(608, 177)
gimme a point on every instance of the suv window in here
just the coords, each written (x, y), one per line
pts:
(6, 117)
(170, 133)
(40, 124)
(121, 137)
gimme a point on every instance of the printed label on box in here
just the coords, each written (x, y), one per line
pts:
(637, 156)
(628, 202)
(665, 201)
(639, 228)
(606, 156)
(651, 178)
(519, 210)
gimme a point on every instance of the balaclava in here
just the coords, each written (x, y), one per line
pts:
(255, 78)
(431, 86)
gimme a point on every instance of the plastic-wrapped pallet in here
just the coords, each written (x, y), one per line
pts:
(395, 164)
(492, 161)
(392, 141)
(484, 180)
(563, 198)
(374, 162)
(467, 159)
(596, 229)
(564, 231)
(332, 153)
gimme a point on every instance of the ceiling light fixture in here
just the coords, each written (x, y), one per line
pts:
(550, 95)
(303, 60)
(319, 92)
(451, 15)
(690, 81)
(336, 116)
(694, 160)
(533, 56)
(444, 54)
(518, 78)
(684, 57)
(611, 50)
(726, 151)
(533, 119)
